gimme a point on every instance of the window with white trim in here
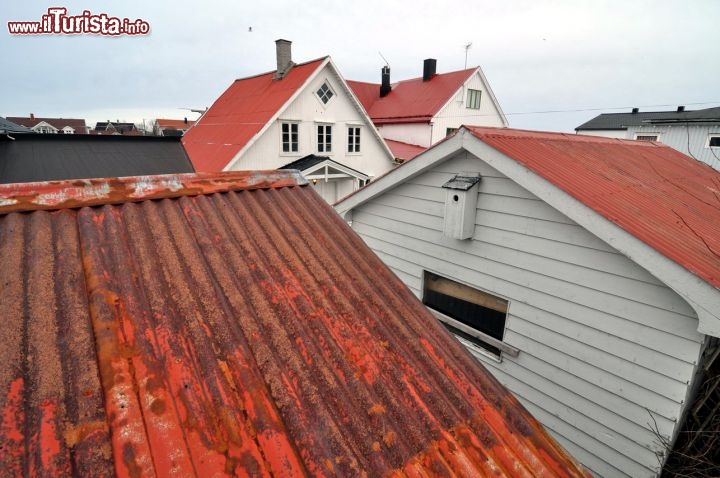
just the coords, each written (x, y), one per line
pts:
(473, 99)
(353, 144)
(325, 93)
(476, 316)
(289, 137)
(713, 141)
(324, 138)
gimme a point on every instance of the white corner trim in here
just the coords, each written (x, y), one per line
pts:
(701, 296)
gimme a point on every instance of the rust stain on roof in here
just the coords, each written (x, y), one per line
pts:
(230, 328)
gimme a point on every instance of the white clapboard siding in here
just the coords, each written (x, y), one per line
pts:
(606, 349)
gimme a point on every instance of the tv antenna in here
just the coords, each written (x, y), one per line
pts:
(387, 63)
(467, 47)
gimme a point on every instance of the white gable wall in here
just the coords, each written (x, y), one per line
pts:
(309, 111)
(606, 349)
(411, 133)
(455, 114)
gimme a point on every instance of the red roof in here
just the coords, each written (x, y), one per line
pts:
(174, 123)
(230, 324)
(77, 124)
(404, 151)
(239, 114)
(410, 101)
(654, 192)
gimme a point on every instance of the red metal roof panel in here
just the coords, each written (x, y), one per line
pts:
(664, 198)
(239, 114)
(404, 151)
(226, 330)
(410, 101)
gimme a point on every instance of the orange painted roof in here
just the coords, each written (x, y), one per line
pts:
(174, 123)
(654, 192)
(239, 114)
(230, 324)
(410, 101)
(404, 151)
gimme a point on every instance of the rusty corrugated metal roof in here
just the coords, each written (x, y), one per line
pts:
(231, 324)
(654, 192)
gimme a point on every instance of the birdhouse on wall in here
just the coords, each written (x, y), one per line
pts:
(461, 194)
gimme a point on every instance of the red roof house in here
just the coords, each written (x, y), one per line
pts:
(592, 269)
(51, 125)
(172, 127)
(276, 118)
(230, 324)
(424, 110)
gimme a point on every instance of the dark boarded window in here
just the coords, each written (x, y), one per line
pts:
(476, 309)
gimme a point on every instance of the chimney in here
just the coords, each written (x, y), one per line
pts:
(680, 109)
(429, 66)
(32, 115)
(635, 110)
(284, 57)
(385, 85)
(186, 120)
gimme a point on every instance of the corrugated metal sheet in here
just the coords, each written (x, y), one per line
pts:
(404, 151)
(654, 192)
(410, 101)
(236, 326)
(239, 114)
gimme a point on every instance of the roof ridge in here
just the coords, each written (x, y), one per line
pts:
(275, 70)
(71, 194)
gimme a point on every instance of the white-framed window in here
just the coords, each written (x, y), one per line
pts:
(325, 93)
(353, 139)
(289, 137)
(449, 131)
(473, 99)
(472, 315)
(713, 141)
(68, 130)
(647, 136)
(324, 138)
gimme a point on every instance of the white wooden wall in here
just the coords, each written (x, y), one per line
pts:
(606, 349)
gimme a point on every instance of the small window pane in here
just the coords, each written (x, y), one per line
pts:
(714, 142)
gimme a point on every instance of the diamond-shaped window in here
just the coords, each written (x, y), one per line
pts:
(325, 93)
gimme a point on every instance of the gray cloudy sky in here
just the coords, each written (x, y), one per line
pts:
(539, 55)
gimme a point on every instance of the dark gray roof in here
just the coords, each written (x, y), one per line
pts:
(48, 157)
(303, 164)
(10, 127)
(621, 121)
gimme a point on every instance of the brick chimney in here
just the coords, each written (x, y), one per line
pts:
(284, 57)
(385, 85)
(32, 115)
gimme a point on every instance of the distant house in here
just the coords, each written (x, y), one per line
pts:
(275, 118)
(116, 128)
(693, 132)
(36, 157)
(51, 125)
(172, 127)
(230, 324)
(422, 111)
(8, 127)
(584, 272)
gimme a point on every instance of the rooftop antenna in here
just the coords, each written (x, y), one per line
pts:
(467, 47)
(387, 63)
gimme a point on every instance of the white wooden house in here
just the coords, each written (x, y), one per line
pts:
(422, 111)
(273, 119)
(692, 132)
(582, 271)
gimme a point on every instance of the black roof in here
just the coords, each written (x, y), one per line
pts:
(10, 127)
(307, 162)
(621, 121)
(49, 157)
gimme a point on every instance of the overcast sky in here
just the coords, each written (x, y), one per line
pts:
(589, 55)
